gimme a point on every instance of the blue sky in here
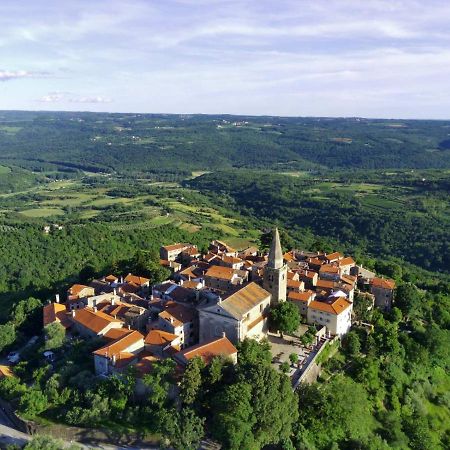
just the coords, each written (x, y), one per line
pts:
(279, 57)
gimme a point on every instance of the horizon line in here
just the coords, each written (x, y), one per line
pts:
(222, 114)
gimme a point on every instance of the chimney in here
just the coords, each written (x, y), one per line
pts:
(95, 309)
(121, 280)
(57, 298)
(224, 334)
(113, 360)
(73, 313)
(114, 291)
(113, 299)
(129, 327)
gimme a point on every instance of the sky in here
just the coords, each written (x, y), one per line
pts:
(258, 57)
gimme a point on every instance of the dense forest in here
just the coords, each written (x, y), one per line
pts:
(143, 143)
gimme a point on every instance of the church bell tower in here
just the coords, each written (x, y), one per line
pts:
(275, 272)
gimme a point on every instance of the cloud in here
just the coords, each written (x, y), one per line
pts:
(8, 75)
(90, 99)
(67, 97)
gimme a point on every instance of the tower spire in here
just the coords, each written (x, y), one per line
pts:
(275, 254)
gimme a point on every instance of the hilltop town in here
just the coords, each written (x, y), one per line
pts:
(214, 301)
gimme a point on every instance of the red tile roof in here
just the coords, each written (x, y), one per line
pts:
(76, 289)
(383, 283)
(136, 279)
(301, 296)
(208, 350)
(220, 272)
(159, 337)
(121, 345)
(95, 321)
(56, 312)
(338, 306)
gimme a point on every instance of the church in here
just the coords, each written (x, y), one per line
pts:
(245, 312)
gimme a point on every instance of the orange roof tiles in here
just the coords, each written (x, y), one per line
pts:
(177, 314)
(76, 289)
(333, 256)
(111, 278)
(288, 256)
(325, 284)
(348, 261)
(136, 279)
(56, 312)
(177, 246)
(338, 306)
(116, 333)
(316, 261)
(301, 296)
(208, 350)
(294, 283)
(383, 283)
(123, 359)
(159, 337)
(329, 268)
(223, 273)
(121, 345)
(95, 321)
(231, 259)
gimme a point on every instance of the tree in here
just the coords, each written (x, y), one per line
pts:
(55, 336)
(233, 418)
(285, 317)
(409, 299)
(184, 429)
(28, 311)
(251, 352)
(42, 442)
(147, 264)
(7, 335)
(274, 404)
(11, 388)
(159, 380)
(319, 407)
(191, 381)
(284, 367)
(352, 343)
(33, 402)
(363, 307)
(88, 272)
(293, 358)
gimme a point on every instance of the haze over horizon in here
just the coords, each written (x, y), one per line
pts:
(384, 59)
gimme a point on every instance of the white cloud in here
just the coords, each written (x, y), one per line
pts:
(7, 75)
(68, 97)
(90, 99)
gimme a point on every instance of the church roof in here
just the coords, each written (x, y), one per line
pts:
(245, 299)
(275, 254)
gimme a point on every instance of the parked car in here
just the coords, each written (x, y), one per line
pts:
(13, 357)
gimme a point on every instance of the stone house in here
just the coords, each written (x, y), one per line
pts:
(242, 314)
(383, 289)
(335, 314)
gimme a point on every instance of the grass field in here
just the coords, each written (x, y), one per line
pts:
(42, 212)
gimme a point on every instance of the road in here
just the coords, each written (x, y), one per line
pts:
(10, 436)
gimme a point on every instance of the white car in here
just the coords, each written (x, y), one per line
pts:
(13, 357)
